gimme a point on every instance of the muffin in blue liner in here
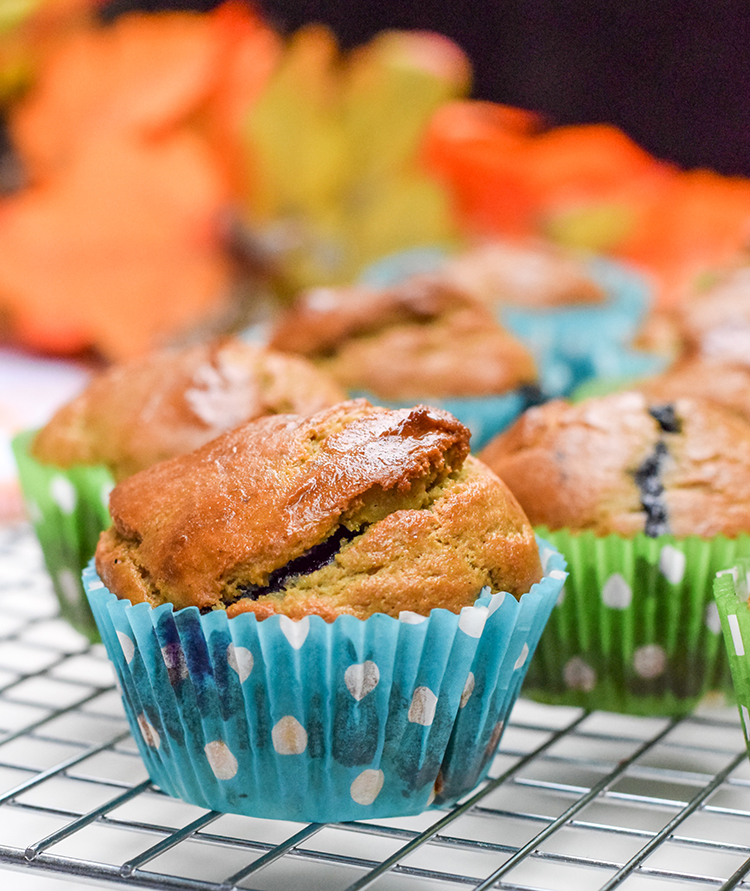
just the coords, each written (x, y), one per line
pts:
(323, 722)
(571, 343)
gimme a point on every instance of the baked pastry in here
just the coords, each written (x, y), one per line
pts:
(348, 650)
(422, 339)
(621, 464)
(647, 501)
(714, 323)
(725, 383)
(354, 510)
(534, 275)
(171, 402)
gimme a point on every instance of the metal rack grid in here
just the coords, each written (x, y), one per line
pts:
(575, 800)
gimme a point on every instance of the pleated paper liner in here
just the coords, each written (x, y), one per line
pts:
(319, 721)
(635, 629)
(731, 590)
(68, 510)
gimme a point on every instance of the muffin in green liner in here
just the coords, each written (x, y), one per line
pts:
(635, 628)
(731, 588)
(647, 501)
(68, 509)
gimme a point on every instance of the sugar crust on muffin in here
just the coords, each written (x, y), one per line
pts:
(354, 510)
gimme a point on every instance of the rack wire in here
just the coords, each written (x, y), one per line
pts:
(574, 800)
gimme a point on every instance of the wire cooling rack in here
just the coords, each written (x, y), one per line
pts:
(575, 800)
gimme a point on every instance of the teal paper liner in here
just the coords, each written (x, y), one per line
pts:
(317, 721)
(68, 510)
(571, 344)
(636, 629)
(485, 416)
(731, 589)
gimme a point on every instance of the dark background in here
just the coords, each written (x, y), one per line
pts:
(674, 74)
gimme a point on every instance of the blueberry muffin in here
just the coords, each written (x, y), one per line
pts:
(347, 647)
(423, 339)
(354, 510)
(647, 500)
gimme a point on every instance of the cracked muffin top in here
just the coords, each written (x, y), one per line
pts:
(171, 402)
(439, 341)
(357, 510)
(624, 464)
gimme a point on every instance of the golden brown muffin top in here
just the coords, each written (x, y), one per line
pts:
(168, 403)
(715, 322)
(356, 510)
(423, 338)
(727, 384)
(622, 464)
(526, 274)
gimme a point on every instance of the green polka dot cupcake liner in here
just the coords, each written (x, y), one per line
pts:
(68, 509)
(322, 722)
(636, 628)
(731, 590)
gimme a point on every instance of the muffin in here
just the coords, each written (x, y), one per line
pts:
(577, 316)
(351, 589)
(725, 383)
(525, 274)
(134, 415)
(420, 340)
(646, 501)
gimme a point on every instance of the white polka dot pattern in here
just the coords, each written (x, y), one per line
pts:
(672, 564)
(148, 732)
(468, 689)
(295, 632)
(579, 675)
(422, 708)
(69, 586)
(521, 661)
(616, 592)
(104, 494)
(221, 760)
(366, 787)
(496, 602)
(649, 661)
(241, 660)
(409, 618)
(471, 620)
(289, 736)
(734, 627)
(63, 493)
(128, 647)
(361, 678)
(712, 620)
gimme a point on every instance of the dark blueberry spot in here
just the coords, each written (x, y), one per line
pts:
(648, 480)
(531, 394)
(666, 417)
(316, 558)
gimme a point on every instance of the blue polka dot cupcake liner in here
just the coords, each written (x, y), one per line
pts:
(731, 591)
(68, 510)
(571, 344)
(322, 722)
(485, 416)
(636, 628)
